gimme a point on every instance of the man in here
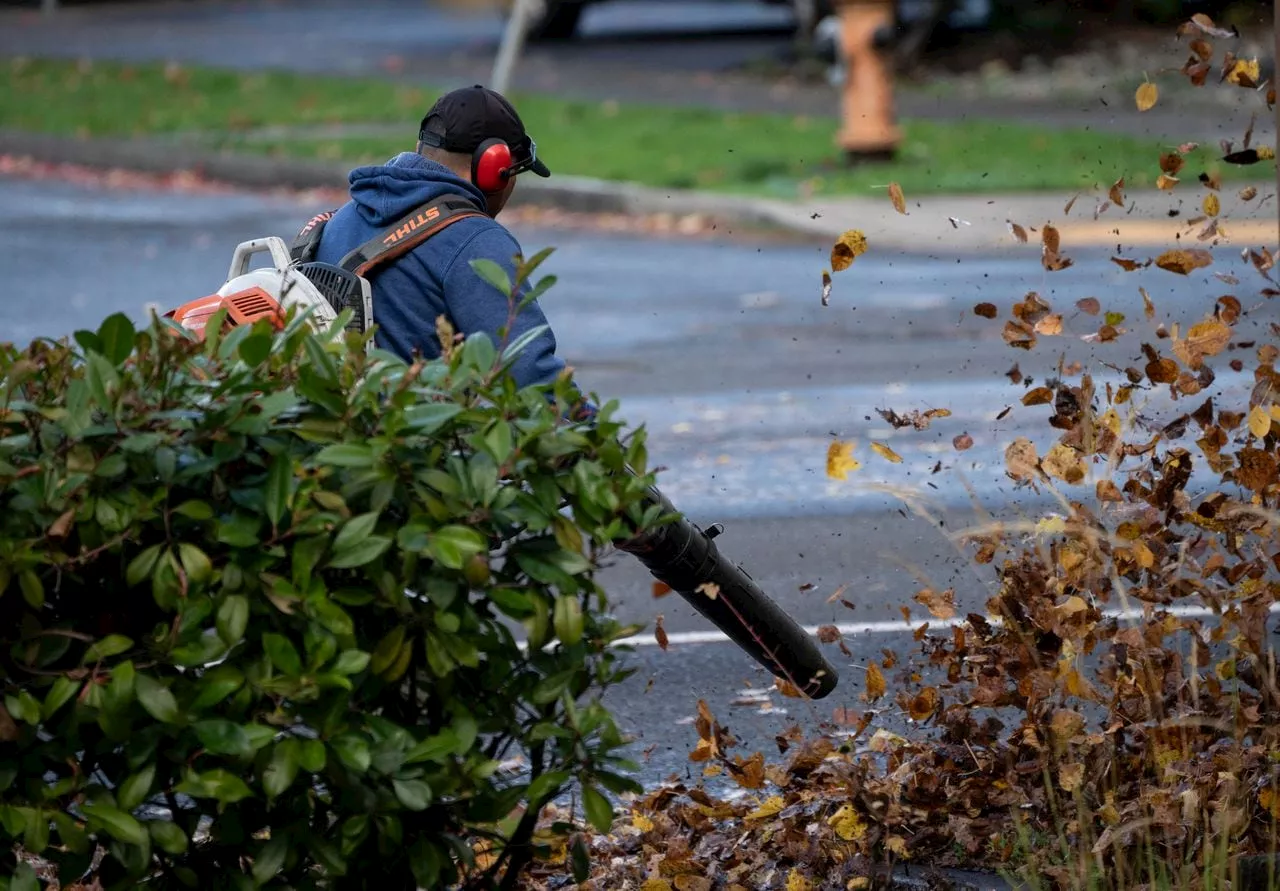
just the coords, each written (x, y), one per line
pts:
(470, 134)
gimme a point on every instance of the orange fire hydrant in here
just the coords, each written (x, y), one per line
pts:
(870, 131)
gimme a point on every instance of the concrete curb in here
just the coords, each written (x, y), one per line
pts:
(935, 222)
(568, 193)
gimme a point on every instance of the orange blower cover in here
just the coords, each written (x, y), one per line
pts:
(243, 308)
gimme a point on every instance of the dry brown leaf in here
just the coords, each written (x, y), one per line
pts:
(1148, 307)
(1166, 182)
(1038, 396)
(661, 589)
(1116, 193)
(875, 682)
(1129, 265)
(1171, 162)
(660, 634)
(899, 200)
(1049, 326)
(826, 287)
(941, 605)
(1018, 231)
(851, 245)
(1065, 463)
(986, 310)
(1248, 193)
(924, 704)
(1089, 305)
(1020, 459)
(962, 442)
(1184, 260)
(1146, 96)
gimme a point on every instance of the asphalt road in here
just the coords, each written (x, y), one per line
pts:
(724, 351)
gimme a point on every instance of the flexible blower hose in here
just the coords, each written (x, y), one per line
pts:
(684, 557)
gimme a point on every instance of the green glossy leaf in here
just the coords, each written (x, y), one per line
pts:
(111, 645)
(430, 417)
(353, 751)
(233, 619)
(116, 822)
(270, 860)
(282, 769)
(222, 737)
(115, 336)
(413, 794)
(278, 488)
(133, 791)
(141, 566)
(347, 455)
(493, 274)
(363, 552)
(354, 531)
(218, 784)
(156, 698)
(454, 545)
(168, 836)
(283, 654)
(60, 693)
(195, 563)
(351, 662)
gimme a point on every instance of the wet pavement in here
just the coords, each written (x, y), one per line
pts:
(724, 351)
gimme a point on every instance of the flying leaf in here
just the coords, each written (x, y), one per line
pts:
(1018, 231)
(840, 460)
(962, 442)
(1146, 96)
(1165, 182)
(986, 310)
(1259, 421)
(1184, 260)
(1089, 305)
(885, 452)
(851, 245)
(899, 200)
(1049, 325)
(1211, 205)
(941, 605)
(875, 682)
(1248, 193)
(826, 288)
(660, 634)
(1116, 194)
(1129, 265)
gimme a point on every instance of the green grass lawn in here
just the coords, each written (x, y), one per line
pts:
(764, 154)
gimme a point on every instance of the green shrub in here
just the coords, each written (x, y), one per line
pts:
(262, 602)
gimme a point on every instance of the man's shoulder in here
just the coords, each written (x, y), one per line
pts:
(477, 235)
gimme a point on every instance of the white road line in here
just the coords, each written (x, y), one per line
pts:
(896, 627)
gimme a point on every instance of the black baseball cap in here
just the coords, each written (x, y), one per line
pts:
(471, 115)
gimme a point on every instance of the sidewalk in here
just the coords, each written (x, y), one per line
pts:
(952, 223)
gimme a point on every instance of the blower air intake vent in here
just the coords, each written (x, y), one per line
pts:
(341, 288)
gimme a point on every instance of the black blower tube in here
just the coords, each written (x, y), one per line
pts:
(684, 557)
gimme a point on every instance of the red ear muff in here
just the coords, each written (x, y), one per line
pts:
(489, 164)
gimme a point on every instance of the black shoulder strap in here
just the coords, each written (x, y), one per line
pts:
(410, 231)
(307, 241)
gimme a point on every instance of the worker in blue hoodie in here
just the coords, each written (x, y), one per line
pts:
(471, 144)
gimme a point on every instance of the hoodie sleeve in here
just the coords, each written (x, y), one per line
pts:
(475, 305)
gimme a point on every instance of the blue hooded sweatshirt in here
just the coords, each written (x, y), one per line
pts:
(436, 277)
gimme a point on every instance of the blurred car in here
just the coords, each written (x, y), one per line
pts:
(559, 18)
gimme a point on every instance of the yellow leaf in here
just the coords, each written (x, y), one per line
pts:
(797, 882)
(1111, 421)
(1259, 421)
(1143, 555)
(899, 200)
(641, 822)
(1245, 74)
(1212, 205)
(847, 824)
(885, 452)
(897, 845)
(1146, 96)
(655, 885)
(840, 460)
(847, 248)
(772, 805)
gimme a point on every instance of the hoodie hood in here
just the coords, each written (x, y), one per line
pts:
(385, 193)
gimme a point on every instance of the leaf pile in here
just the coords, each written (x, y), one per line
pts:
(1112, 719)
